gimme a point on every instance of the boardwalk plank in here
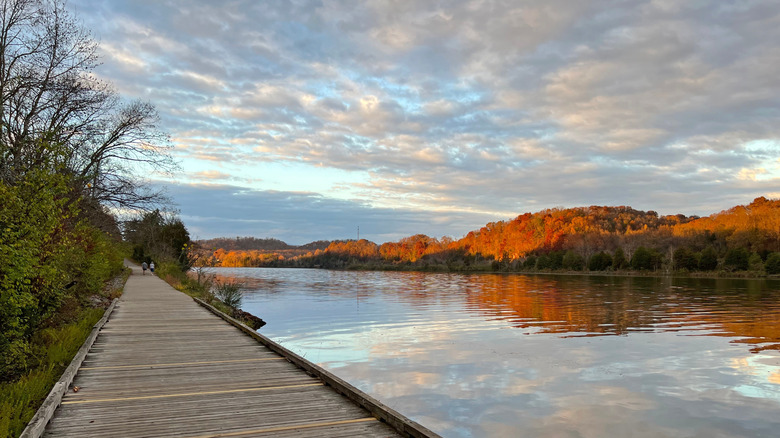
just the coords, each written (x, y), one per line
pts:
(165, 366)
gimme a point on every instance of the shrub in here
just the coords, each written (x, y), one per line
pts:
(755, 263)
(619, 260)
(573, 261)
(229, 292)
(709, 259)
(35, 243)
(543, 262)
(556, 260)
(685, 259)
(600, 261)
(737, 259)
(772, 265)
(645, 259)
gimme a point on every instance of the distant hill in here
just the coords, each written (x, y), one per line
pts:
(313, 246)
(745, 237)
(253, 243)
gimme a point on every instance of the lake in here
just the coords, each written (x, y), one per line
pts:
(538, 356)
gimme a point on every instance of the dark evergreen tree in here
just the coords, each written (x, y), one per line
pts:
(685, 259)
(755, 263)
(619, 260)
(160, 237)
(543, 262)
(645, 259)
(600, 261)
(737, 259)
(556, 260)
(572, 261)
(772, 265)
(709, 259)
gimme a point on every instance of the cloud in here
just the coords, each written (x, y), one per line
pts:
(213, 175)
(485, 106)
(218, 210)
(461, 369)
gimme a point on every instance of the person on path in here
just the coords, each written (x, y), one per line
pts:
(144, 266)
(151, 267)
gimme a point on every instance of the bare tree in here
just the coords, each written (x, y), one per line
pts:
(56, 114)
(105, 157)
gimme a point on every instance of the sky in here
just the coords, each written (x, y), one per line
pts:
(304, 120)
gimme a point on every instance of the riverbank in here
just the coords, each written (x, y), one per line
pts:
(201, 287)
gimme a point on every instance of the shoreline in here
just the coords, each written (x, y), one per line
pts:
(740, 275)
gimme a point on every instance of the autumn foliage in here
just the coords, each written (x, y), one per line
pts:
(596, 238)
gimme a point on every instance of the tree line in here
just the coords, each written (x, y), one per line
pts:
(71, 153)
(596, 238)
(255, 244)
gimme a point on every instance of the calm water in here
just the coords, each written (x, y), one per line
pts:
(539, 356)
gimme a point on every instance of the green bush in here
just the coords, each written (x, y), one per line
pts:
(573, 261)
(645, 259)
(619, 260)
(198, 286)
(229, 292)
(94, 259)
(543, 262)
(49, 259)
(54, 349)
(685, 259)
(556, 260)
(772, 265)
(755, 263)
(737, 259)
(35, 240)
(708, 260)
(599, 261)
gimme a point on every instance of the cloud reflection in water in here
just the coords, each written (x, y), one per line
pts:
(498, 355)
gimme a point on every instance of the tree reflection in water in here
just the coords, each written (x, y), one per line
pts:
(546, 355)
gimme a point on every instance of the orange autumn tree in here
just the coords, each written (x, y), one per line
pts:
(581, 232)
(755, 226)
(360, 249)
(413, 248)
(587, 229)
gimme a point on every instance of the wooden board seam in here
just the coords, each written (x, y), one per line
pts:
(43, 415)
(188, 394)
(116, 367)
(384, 413)
(286, 428)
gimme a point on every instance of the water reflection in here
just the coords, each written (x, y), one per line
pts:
(620, 305)
(497, 355)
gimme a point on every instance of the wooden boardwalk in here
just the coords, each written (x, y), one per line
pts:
(165, 366)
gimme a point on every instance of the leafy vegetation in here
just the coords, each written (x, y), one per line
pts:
(229, 293)
(224, 295)
(601, 261)
(742, 239)
(163, 238)
(70, 148)
(52, 262)
(54, 349)
(772, 265)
